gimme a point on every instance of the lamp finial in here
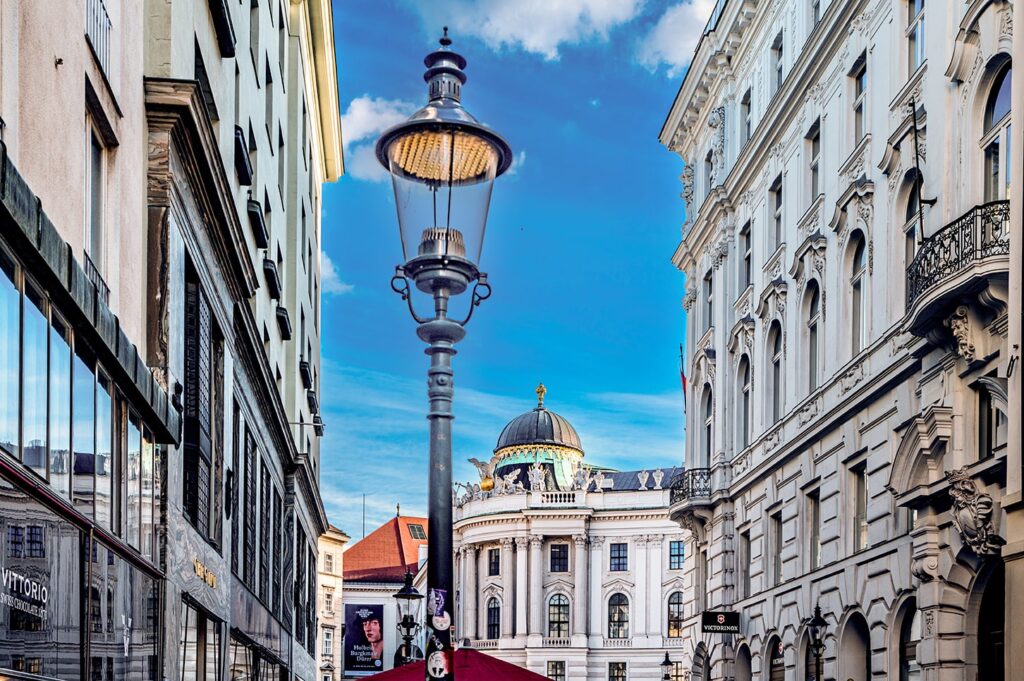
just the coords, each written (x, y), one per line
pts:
(445, 40)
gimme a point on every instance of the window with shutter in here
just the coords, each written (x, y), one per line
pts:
(198, 372)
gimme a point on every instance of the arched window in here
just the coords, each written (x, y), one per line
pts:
(775, 350)
(743, 666)
(493, 618)
(910, 636)
(813, 319)
(744, 390)
(858, 312)
(855, 649)
(913, 230)
(675, 614)
(618, 616)
(708, 414)
(776, 660)
(558, 616)
(996, 141)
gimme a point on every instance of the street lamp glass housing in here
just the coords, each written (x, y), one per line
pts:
(816, 626)
(443, 163)
(408, 598)
(666, 666)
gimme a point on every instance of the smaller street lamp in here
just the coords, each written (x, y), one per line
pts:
(666, 668)
(816, 625)
(408, 599)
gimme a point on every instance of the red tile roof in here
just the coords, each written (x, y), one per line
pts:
(385, 554)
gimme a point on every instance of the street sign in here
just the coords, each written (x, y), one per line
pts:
(719, 622)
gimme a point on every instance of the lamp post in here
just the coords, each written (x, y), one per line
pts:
(816, 625)
(442, 163)
(666, 668)
(408, 619)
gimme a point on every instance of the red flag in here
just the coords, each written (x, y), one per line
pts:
(682, 375)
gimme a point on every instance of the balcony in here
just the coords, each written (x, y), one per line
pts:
(93, 275)
(690, 498)
(97, 31)
(959, 260)
(553, 642)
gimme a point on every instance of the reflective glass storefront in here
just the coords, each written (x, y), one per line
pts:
(71, 607)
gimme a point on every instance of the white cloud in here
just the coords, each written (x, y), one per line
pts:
(332, 283)
(364, 120)
(537, 26)
(674, 38)
(518, 161)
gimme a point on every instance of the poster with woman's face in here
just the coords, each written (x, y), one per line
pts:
(364, 639)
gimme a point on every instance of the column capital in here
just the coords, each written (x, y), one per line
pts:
(536, 540)
(506, 542)
(579, 539)
(522, 543)
(596, 542)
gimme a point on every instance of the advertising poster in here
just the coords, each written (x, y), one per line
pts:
(364, 639)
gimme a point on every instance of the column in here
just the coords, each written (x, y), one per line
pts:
(536, 585)
(481, 611)
(522, 595)
(469, 608)
(596, 574)
(508, 599)
(639, 614)
(655, 563)
(579, 602)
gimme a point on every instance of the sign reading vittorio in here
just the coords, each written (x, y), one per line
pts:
(19, 590)
(714, 622)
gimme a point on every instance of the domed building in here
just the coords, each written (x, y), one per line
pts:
(565, 567)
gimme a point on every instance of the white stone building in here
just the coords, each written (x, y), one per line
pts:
(848, 359)
(330, 595)
(569, 571)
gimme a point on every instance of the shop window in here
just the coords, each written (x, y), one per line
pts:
(10, 354)
(199, 650)
(104, 498)
(60, 406)
(34, 379)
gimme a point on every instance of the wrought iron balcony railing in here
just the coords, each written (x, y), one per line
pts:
(692, 483)
(97, 30)
(981, 232)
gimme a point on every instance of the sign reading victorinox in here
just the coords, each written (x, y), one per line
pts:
(719, 622)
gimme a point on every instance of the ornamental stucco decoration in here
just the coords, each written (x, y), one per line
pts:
(658, 475)
(717, 121)
(972, 514)
(687, 179)
(959, 325)
(536, 477)
(643, 476)
(582, 477)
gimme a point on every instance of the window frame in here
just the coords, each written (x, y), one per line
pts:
(814, 162)
(618, 557)
(777, 201)
(675, 615)
(558, 563)
(858, 295)
(778, 68)
(746, 118)
(915, 36)
(558, 616)
(859, 74)
(618, 616)
(995, 142)
(746, 280)
(813, 334)
(676, 554)
(492, 627)
(493, 562)
(861, 499)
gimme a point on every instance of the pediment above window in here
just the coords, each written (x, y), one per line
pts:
(617, 585)
(918, 460)
(741, 336)
(809, 259)
(966, 46)
(772, 303)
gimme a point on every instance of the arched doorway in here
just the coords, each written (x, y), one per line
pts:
(743, 672)
(701, 664)
(776, 660)
(855, 650)
(991, 625)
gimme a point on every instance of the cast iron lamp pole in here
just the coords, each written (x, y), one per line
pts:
(817, 625)
(442, 163)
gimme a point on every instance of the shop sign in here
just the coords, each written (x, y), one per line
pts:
(23, 593)
(719, 622)
(204, 573)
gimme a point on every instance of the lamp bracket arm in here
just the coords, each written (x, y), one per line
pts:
(481, 292)
(400, 285)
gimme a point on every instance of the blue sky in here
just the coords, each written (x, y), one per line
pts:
(578, 245)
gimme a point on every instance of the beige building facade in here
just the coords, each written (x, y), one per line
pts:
(852, 211)
(330, 614)
(162, 171)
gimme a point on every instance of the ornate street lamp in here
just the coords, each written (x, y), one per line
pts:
(408, 619)
(816, 627)
(666, 668)
(442, 163)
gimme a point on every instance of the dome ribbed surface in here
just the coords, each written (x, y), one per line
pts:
(539, 427)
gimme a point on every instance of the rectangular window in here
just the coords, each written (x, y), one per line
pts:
(675, 554)
(60, 404)
(328, 649)
(618, 557)
(493, 619)
(743, 563)
(205, 88)
(814, 529)
(559, 558)
(416, 530)
(915, 35)
(329, 563)
(328, 600)
(10, 353)
(15, 541)
(556, 670)
(709, 300)
(35, 330)
(493, 562)
(814, 162)
(860, 507)
(200, 645)
(775, 201)
(105, 461)
(746, 118)
(860, 91)
(35, 545)
(702, 579)
(94, 196)
(133, 485)
(777, 67)
(775, 536)
(268, 96)
(745, 279)
(992, 426)
(616, 671)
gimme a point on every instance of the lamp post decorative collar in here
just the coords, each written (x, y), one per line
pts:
(442, 163)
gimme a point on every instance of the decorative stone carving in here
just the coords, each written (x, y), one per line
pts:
(808, 412)
(972, 514)
(959, 325)
(717, 121)
(596, 542)
(689, 299)
(579, 539)
(642, 476)
(687, 179)
(771, 441)
(582, 476)
(599, 481)
(658, 475)
(720, 252)
(851, 378)
(522, 543)
(536, 476)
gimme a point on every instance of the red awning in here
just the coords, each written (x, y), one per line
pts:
(470, 665)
